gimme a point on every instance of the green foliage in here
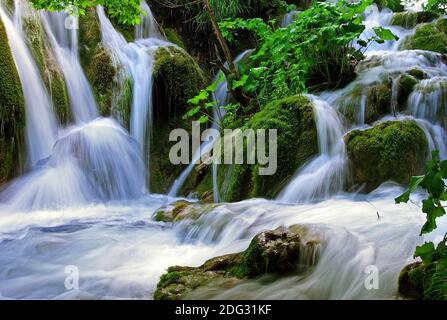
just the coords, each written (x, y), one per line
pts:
(437, 6)
(126, 12)
(433, 183)
(394, 5)
(317, 49)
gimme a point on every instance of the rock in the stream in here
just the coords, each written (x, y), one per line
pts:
(281, 252)
(393, 150)
(424, 281)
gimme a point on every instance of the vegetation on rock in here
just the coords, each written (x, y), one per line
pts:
(430, 36)
(394, 150)
(12, 112)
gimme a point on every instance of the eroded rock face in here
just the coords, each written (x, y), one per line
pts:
(393, 150)
(280, 252)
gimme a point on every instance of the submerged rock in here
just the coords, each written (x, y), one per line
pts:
(424, 281)
(430, 36)
(12, 112)
(182, 210)
(394, 150)
(281, 252)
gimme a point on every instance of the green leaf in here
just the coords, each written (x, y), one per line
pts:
(414, 184)
(241, 82)
(425, 252)
(385, 34)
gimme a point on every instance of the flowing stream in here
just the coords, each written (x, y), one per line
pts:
(85, 205)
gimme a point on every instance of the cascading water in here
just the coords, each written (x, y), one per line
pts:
(138, 59)
(220, 97)
(56, 217)
(41, 124)
(62, 32)
(324, 175)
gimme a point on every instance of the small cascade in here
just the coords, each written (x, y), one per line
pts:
(62, 32)
(138, 59)
(95, 162)
(41, 123)
(429, 99)
(324, 175)
(289, 18)
(220, 98)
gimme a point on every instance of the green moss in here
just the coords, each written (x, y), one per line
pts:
(89, 36)
(48, 67)
(174, 37)
(417, 73)
(276, 252)
(424, 282)
(394, 5)
(394, 150)
(12, 112)
(378, 101)
(406, 84)
(431, 37)
(293, 118)
(405, 19)
(177, 78)
(349, 105)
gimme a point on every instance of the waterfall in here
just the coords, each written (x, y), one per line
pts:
(138, 59)
(289, 18)
(41, 124)
(324, 175)
(62, 32)
(220, 97)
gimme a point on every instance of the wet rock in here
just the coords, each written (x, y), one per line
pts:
(393, 150)
(293, 117)
(406, 84)
(422, 281)
(12, 112)
(281, 252)
(182, 210)
(409, 20)
(378, 101)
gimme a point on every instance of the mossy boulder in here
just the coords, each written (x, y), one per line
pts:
(47, 64)
(12, 112)
(175, 38)
(278, 252)
(430, 36)
(177, 78)
(378, 101)
(297, 142)
(182, 210)
(409, 20)
(422, 281)
(393, 150)
(394, 5)
(405, 87)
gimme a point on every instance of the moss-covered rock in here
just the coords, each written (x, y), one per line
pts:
(12, 112)
(405, 86)
(378, 101)
(394, 5)
(394, 150)
(430, 36)
(110, 83)
(409, 20)
(177, 78)
(183, 210)
(173, 37)
(424, 281)
(297, 142)
(46, 62)
(279, 252)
